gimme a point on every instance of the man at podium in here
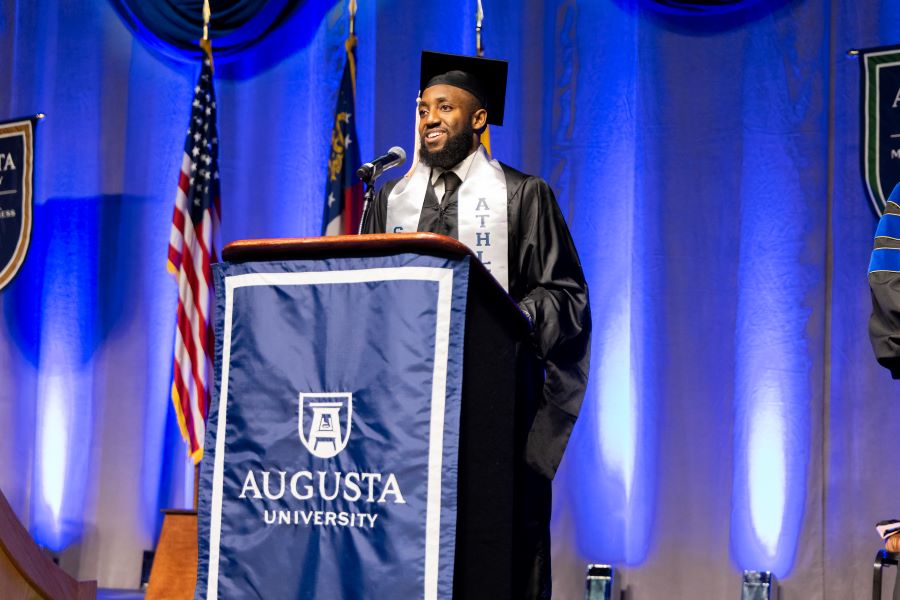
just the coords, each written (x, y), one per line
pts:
(511, 221)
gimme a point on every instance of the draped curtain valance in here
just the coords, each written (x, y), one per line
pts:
(173, 27)
(700, 7)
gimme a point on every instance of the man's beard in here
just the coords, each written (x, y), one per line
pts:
(455, 150)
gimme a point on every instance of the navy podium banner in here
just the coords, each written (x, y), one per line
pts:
(333, 436)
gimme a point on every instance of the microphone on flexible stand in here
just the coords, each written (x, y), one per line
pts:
(370, 171)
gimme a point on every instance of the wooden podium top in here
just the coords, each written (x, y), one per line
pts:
(344, 245)
(371, 245)
(26, 571)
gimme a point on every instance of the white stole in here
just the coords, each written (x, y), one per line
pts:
(481, 208)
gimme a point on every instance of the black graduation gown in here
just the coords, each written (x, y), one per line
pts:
(546, 279)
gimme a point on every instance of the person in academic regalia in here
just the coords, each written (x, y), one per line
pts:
(884, 323)
(513, 224)
(884, 283)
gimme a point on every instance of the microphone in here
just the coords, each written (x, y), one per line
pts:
(370, 171)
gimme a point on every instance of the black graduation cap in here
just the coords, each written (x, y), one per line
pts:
(484, 78)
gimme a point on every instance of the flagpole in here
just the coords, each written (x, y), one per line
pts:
(369, 184)
(485, 137)
(205, 42)
(206, 45)
(350, 44)
(415, 159)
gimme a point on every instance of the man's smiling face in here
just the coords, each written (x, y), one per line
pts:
(448, 118)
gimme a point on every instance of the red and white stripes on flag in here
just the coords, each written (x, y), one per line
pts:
(195, 223)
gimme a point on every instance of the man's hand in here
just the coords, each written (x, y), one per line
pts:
(892, 544)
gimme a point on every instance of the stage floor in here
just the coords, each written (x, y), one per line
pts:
(113, 594)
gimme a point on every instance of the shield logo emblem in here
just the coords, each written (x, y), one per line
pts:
(880, 122)
(16, 143)
(325, 421)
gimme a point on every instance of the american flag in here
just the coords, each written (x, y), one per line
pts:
(343, 189)
(195, 222)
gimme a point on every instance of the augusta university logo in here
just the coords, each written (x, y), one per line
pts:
(325, 422)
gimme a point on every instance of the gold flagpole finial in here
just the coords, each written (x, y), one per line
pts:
(352, 9)
(205, 43)
(479, 17)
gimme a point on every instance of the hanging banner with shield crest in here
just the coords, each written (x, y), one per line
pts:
(16, 194)
(880, 97)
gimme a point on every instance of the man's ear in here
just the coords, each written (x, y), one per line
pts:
(479, 119)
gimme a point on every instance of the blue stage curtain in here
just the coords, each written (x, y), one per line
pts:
(90, 447)
(709, 170)
(173, 27)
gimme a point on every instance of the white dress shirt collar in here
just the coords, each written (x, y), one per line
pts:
(461, 170)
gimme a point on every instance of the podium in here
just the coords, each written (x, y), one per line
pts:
(26, 571)
(367, 426)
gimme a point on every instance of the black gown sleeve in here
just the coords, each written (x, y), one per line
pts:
(884, 283)
(377, 217)
(549, 284)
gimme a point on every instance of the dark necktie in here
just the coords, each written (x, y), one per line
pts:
(451, 184)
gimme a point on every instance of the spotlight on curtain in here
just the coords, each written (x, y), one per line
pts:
(173, 27)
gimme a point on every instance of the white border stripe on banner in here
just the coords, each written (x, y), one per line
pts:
(444, 279)
(436, 434)
(873, 197)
